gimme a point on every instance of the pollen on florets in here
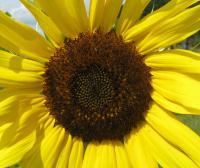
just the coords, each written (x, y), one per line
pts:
(97, 87)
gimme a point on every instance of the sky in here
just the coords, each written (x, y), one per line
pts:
(19, 12)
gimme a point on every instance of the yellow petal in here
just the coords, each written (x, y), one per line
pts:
(63, 159)
(13, 154)
(138, 153)
(69, 15)
(19, 77)
(172, 8)
(23, 39)
(24, 113)
(90, 156)
(172, 106)
(21, 111)
(131, 12)
(100, 155)
(111, 11)
(17, 64)
(171, 31)
(17, 91)
(19, 71)
(78, 11)
(20, 103)
(106, 155)
(179, 88)
(14, 126)
(96, 13)
(21, 127)
(51, 146)
(48, 26)
(76, 155)
(6, 44)
(4, 127)
(175, 132)
(33, 158)
(166, 154)
(177, 60)
(121, 156)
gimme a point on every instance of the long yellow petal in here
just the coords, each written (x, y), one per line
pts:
(138, 154)
(172, 8)
(47, 25)
(63, 159)
(96, 13)
(166, 154)
(19, 71)
(79, 14)
(16, 63)
(106, 155)
(91, 151)
(103, 155)
(131, 12)
(51, 146)
(33, 158)
(19, 129)
(18, 139)
(175, 132)
(179, 88)
(69, 15)
(13, 154)
(19, 90)
(6, 44)
(76, 155)
(121, 156)
(19, 77)
(171, 31)
(20, 111)
(111, 11)
(178, 60)
(4, 127)
(23, 39)
(19, 103)
(172, 106)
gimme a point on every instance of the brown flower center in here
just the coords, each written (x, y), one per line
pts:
(93, 87)
(97, 87)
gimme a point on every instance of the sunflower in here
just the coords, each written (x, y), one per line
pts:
(100, 90)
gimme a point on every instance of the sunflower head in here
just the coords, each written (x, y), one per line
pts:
(98, 90)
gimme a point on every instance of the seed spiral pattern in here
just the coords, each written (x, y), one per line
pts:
(93, 87)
